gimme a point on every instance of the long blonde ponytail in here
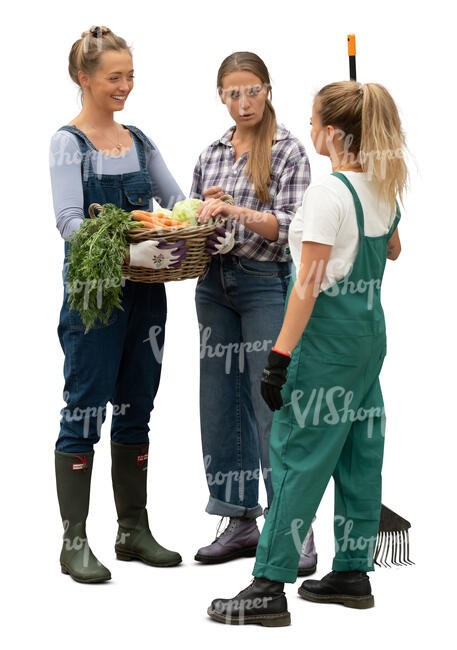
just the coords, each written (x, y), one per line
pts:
(369, 120)
(383, 142)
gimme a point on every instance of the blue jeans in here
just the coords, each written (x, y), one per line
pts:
(240, 307)
(119, 362)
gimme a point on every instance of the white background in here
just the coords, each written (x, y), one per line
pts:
(178, 47)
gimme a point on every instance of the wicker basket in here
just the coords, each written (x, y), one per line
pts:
(196, 259)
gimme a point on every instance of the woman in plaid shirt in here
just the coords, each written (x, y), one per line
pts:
(240, 298)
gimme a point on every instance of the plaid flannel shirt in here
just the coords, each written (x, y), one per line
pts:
(290, 176)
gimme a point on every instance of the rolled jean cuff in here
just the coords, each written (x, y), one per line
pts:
(276, 573)
(223, 509)
(355, 564)
(74, 445)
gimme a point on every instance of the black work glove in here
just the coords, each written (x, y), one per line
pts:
(274, 377)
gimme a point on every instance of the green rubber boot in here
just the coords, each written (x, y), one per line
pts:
(73, 474)
(134, 540)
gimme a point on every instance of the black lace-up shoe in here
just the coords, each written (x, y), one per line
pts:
(263, 602)
(349, 588)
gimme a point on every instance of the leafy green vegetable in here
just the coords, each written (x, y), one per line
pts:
(186, 210)
(96, 253)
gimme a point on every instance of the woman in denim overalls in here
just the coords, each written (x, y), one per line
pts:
(117, 361)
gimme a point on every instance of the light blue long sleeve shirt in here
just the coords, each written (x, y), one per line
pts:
(66, 182)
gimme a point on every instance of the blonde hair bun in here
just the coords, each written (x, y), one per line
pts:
(96, 31)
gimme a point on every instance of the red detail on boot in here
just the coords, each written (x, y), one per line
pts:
(143, 456)
(82, 465)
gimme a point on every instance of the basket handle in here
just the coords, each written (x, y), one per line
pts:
(228, 199)
(92, 208)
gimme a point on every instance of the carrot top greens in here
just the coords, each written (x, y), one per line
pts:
(96, 253)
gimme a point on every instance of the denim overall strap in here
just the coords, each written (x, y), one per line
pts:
(84, 145)
(139, 141)
(135, 131)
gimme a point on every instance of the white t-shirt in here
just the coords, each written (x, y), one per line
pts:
(327, 216)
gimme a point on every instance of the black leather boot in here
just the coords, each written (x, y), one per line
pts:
(263, 602)
(349, 588)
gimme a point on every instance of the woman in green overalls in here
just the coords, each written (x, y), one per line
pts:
(322, 376)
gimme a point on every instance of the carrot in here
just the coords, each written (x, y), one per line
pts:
(162, 218)
(143, 219)
(156, 219)
(141, 214)
(147, 224)
(148, 214)
(168, 222)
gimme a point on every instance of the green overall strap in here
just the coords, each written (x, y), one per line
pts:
(359, 211)
(358, 205)
(395, 223)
